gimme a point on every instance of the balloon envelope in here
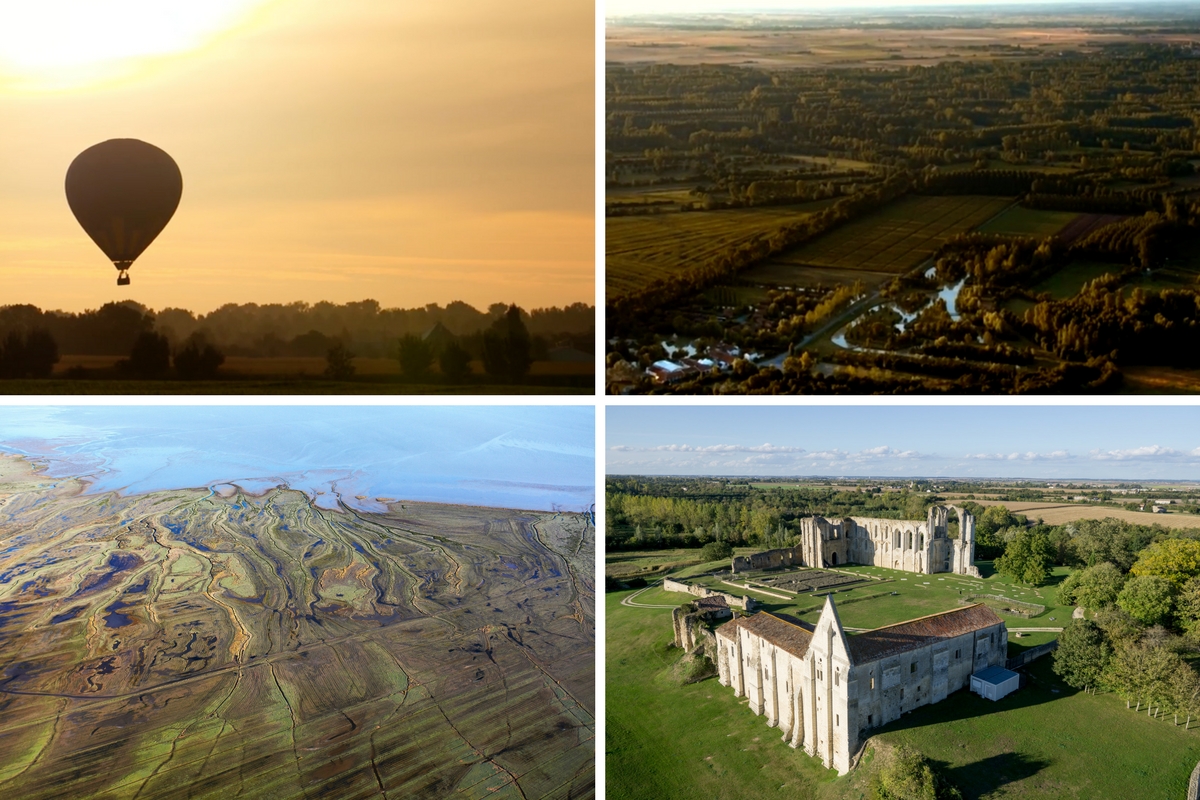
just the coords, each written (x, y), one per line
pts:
(123, 192)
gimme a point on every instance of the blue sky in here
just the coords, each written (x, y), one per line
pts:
(528, 457)
(1117, 442)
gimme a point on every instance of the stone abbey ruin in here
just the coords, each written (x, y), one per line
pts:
(909, 545)
(825, 689)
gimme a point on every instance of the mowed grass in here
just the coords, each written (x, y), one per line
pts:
(888, 242)
(642, 249)
(1045, 740)
(672, 742)
(1018, 221)
(684, 561)
(1048, 740)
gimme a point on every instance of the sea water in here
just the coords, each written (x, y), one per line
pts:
(526, 457)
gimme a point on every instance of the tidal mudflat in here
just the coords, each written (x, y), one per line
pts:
(219, 642)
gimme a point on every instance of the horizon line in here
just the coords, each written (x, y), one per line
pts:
(845, 8)
(893, 478)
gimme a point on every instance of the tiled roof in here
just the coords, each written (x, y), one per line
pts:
(729, 629)
(903, 636)
(712, 601)
(787, 633)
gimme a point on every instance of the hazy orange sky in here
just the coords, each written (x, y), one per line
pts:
(401, 150)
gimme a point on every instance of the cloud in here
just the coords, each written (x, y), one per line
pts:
(1147, 452)
(1029, 455)
(715, 448)
(767, 452)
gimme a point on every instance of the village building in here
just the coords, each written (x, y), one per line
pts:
(824, 689)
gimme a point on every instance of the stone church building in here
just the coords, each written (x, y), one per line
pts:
(924, 547)
(824, 689)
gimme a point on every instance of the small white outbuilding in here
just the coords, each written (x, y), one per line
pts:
(995, 682)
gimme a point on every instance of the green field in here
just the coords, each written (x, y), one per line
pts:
(1018, 221)
(1070, 279)
(697, 741)
(885, 243)
(641, 249)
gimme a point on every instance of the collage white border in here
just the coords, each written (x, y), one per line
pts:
(599, 401)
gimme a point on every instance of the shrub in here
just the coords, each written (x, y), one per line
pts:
(715, 551)
(415, 356)
(198, 360)
(339, 363)
(905, 774)
(149, 358)
(455, 363)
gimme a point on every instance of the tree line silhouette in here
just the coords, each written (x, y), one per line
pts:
(176, 343)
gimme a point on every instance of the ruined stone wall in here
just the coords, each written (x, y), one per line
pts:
(769, 559)
(691, 627)
(907, 545)
(733, 601)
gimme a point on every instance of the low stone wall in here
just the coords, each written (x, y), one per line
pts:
(743, 602)
(1019, 607)
(1194, 784)
(760, 590)
(1031, 654)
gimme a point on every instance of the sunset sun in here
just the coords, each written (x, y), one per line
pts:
(63, 44)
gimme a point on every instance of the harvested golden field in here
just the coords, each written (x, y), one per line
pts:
(640, 249)
(194, 643)
(1058, 513)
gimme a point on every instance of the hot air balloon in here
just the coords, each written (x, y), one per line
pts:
(123, 192)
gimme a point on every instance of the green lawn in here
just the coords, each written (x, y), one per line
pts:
(1018, 221)
(631, 563)
(1070, 279)
(699, 741)
(1047, 740)
(670, 742)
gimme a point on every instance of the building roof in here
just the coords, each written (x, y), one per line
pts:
(712, 601)
(995, 675)
(787, 633)
(904, 636)
(438, 334)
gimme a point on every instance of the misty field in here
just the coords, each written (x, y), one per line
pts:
(192, 643)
